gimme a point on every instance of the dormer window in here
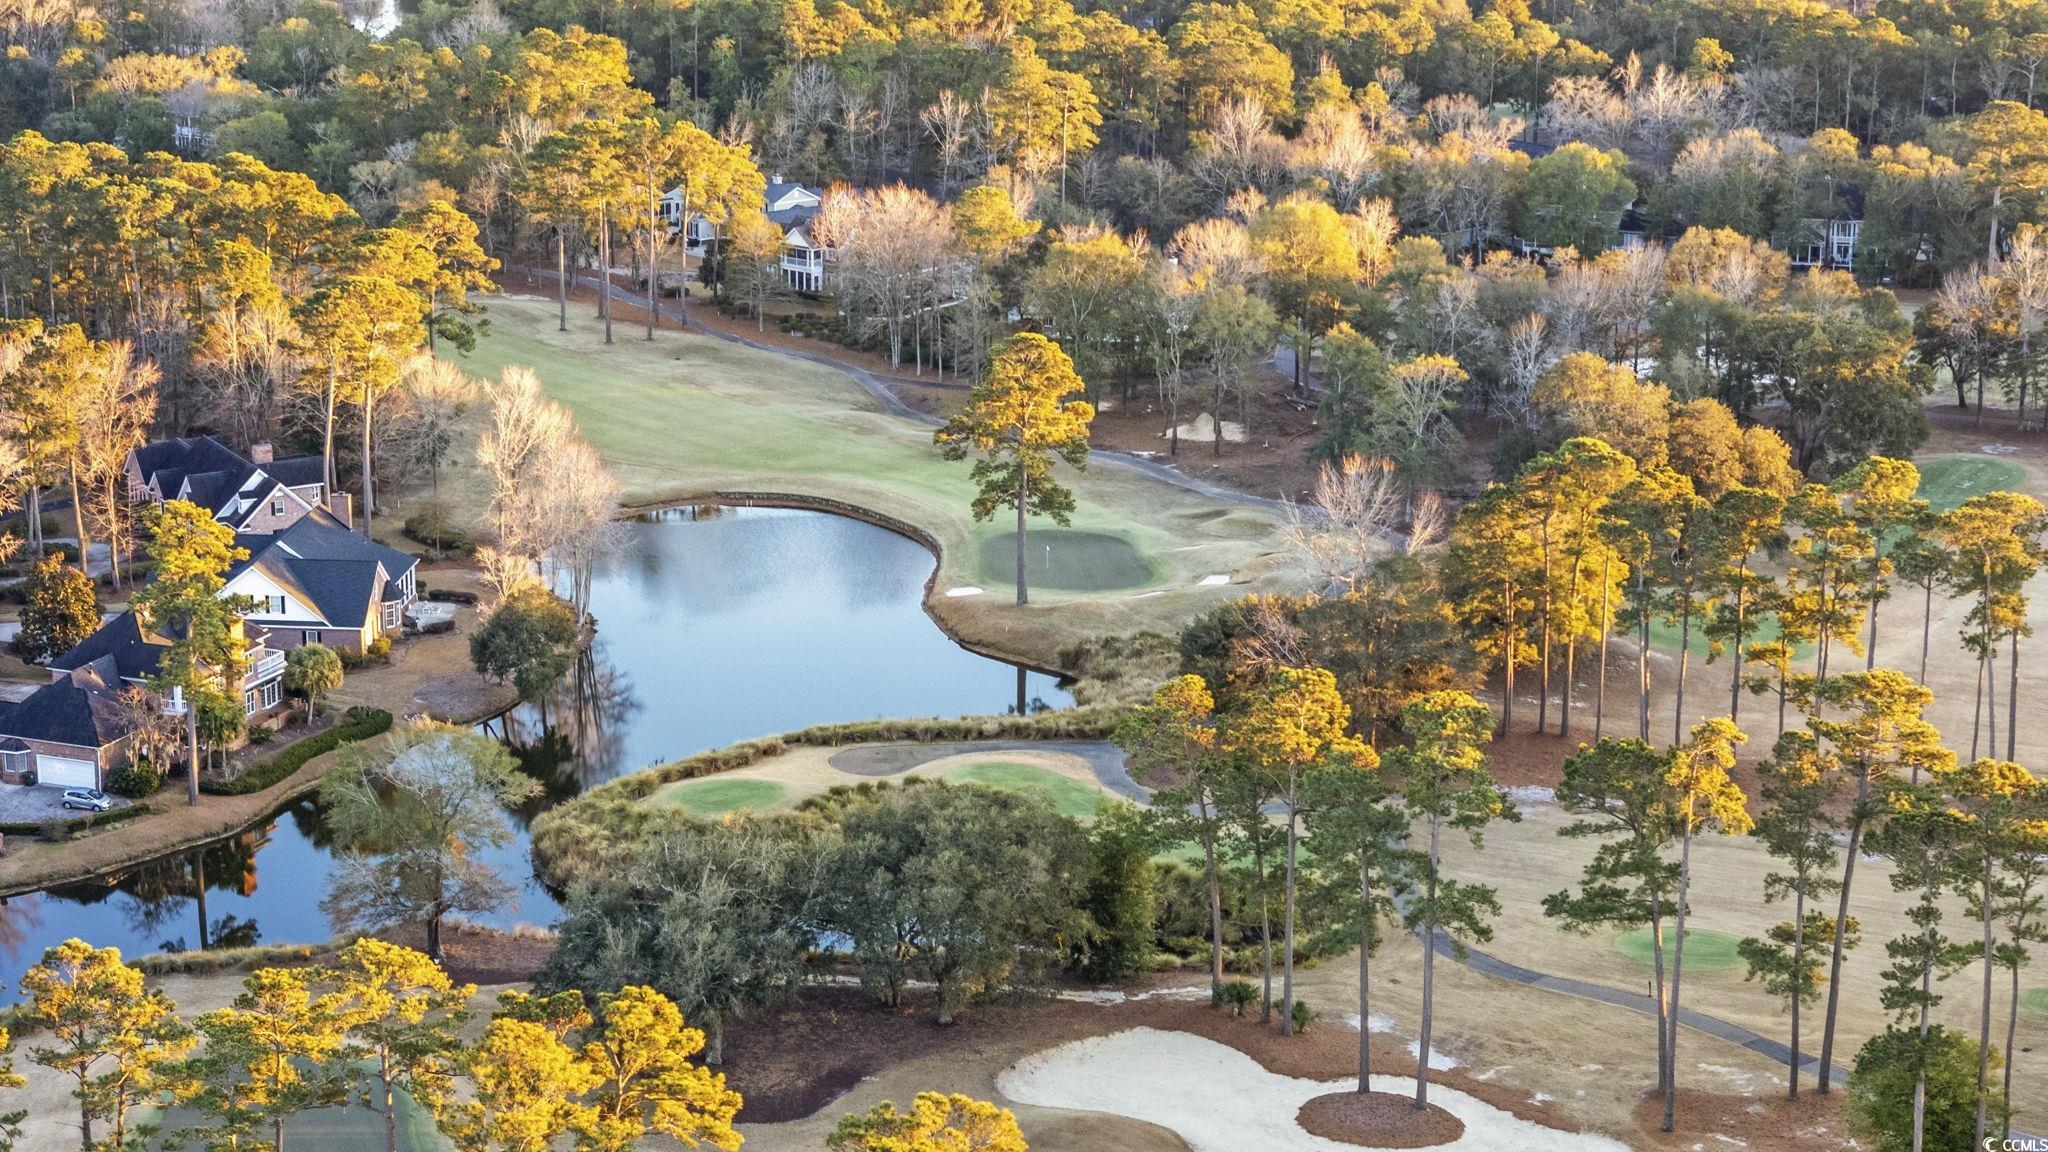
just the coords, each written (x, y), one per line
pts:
(277, 505)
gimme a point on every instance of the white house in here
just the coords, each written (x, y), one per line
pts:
(785, 202)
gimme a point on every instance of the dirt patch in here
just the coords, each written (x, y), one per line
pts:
(463, 696)
(1775, 1124)
(482, 956)
(1378, 1120)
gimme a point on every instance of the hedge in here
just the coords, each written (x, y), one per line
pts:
(80, 823)
(360, 724)
(579, 836)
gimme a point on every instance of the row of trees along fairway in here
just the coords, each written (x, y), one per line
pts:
(1715, 536)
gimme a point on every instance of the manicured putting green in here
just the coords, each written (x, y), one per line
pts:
(1065, 559)
(2035, 1000)
(1951, 480)
(1704, 949)
(1070, 797)
(716, 797)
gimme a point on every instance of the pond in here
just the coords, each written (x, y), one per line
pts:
(714, 625)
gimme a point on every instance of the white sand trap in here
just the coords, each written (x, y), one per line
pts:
(1214, 580)
(1220, 1100)
(970, 590)
(1203, 428)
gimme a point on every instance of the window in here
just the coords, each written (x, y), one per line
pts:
(310, 636)
(274, 605)
(262, 697)
(277, 505)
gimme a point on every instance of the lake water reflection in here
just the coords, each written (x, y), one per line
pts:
(714, 625)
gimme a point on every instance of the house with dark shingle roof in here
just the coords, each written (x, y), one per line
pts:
(70, 732)
(315, 579)
(318, 582)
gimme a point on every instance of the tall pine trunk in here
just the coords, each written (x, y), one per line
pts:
(1428, 970)
(1677, 974)
(1023, 500)
(1287, 960)
(1365, 931)
(562, 279)
(1827, 1035)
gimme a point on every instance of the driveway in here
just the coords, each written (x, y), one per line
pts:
(25, 804)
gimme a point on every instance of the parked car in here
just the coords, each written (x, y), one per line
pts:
(87, 799)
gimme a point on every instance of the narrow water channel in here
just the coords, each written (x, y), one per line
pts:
(714, 625)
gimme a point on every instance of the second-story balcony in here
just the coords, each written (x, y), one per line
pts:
(265, 664)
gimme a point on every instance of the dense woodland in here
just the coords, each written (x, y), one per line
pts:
(1167, 190)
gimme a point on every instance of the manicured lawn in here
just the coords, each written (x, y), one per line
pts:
(1704, 949)
(1070, 797)
(1065, 559)
(1951, 480)
(688, 415)
(2035, 1000)
(718, 796)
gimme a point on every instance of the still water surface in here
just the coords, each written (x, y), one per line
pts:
(714, 625)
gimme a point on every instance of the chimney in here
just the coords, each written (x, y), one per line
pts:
(261, 452)
(343, 507)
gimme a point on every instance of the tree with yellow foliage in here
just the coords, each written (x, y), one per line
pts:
(648, 1083)
(1296, 724)
(936, 1123)
(1016, 420)
(116, 1039)
(400, 1014)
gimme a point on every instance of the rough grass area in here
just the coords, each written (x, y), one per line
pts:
(686, 415)
(718, 797)
(1066, 560)
(1704, 949)
(2035, 1000)
(1949, 481)
(1070, 797)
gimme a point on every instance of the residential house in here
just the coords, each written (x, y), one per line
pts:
(1831, 241)
(317, 580)
(69, 733)
(788, 205)
(314, 579)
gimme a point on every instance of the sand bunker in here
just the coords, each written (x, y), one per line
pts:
(1220, 1100)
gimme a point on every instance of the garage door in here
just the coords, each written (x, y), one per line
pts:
(68, 773)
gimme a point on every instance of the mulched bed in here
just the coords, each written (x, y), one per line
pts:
(1378, 1120)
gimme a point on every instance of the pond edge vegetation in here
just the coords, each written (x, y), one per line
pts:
(578, 835)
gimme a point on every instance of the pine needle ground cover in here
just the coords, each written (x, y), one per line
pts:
(688, 415)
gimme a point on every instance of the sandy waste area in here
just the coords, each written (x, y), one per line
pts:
(1220, 1100)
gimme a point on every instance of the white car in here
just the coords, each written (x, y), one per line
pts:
(87, 799)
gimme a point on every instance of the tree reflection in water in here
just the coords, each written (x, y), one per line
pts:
(163, 898)
(576, 737)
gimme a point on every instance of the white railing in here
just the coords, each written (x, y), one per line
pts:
(264, 664)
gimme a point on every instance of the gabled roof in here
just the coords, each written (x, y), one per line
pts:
(327, 566)
(133, 650)
(793, 217)
(81, 709)
(779, 190)
(208, 473)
